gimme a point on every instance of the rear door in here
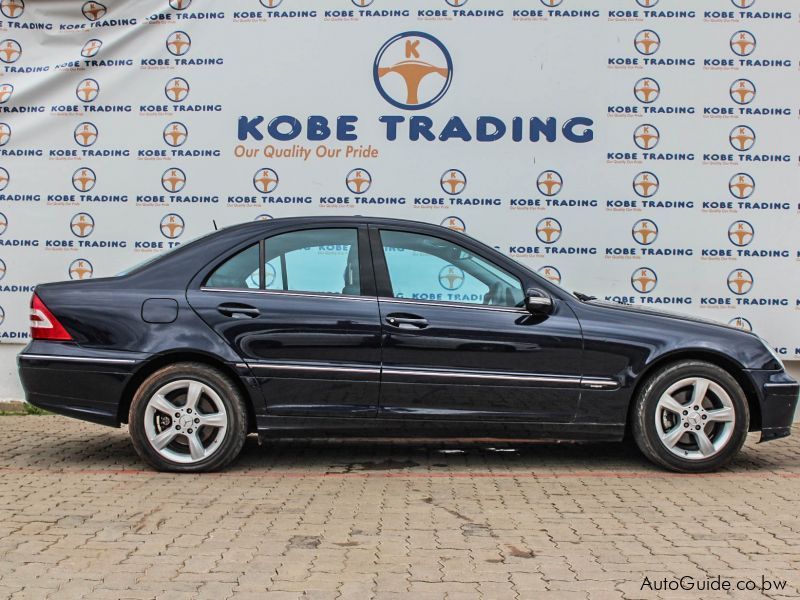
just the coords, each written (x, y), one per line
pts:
(458, 343)
(300, 309)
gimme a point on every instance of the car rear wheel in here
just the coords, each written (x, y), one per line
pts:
(691, 417)
(188, 417)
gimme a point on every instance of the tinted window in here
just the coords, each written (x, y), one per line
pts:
(311, 260)
(424, 267)
(237, 272)
(314, 260)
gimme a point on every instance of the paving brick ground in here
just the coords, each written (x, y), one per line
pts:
(81, 517)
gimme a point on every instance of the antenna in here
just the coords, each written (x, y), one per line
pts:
(214, 221)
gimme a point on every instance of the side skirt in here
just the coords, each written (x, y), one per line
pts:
(271, 427)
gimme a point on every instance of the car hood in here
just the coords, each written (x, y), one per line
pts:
(661, 313)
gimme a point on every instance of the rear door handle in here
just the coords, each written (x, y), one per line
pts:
(238, 311)
(402, 321)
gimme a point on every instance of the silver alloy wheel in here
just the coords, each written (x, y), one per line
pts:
(185, 421)
(695, 418)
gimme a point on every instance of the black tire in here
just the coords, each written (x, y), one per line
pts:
(226, 450)
(644, 416)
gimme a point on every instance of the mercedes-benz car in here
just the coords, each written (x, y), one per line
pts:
(376, 327)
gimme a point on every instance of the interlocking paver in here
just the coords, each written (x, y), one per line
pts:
(81, 517)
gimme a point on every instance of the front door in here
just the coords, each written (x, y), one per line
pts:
(300, 309)
(457, 342)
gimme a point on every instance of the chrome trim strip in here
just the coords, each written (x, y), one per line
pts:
(591, 382)
(287, 293)
(521, 311)
(599, 383)
(485, 375)
(332, 368)
(122, 361)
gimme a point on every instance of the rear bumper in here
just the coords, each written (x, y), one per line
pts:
(75, 382)
(778, 400)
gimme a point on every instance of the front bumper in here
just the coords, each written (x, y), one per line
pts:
(778, 400)
(75, 382)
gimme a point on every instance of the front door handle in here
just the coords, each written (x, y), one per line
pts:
(403, 321)
(238, 311)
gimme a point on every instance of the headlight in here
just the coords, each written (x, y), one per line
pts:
(771, 350)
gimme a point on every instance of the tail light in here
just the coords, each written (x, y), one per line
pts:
(44, 325)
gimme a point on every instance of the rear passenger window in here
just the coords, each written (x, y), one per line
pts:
(314, 260)
(237, 272)
(311, 260)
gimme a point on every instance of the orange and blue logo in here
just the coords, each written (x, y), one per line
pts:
(180, 4)
(550, 273)
(742, 138)
(743, 3)
(741, 233)
(12, 9)
(3, 223)
(85, 134)
(5, 133)
(80, 268)
(412, 70)
(453, 182)
(175, 134)
(2, 315)
(451, 278)
(84, 179)
(551, 3)
(270, 4)
(172, 226)
(10, 51)
(646, 136)
(644, 280)
(742, 186)
(644, 232)
(178, 43)
(2, 268)
(81, 225)
(263, 217)
(740, 281)
(646, 184)
(647, 90)
(93, 10)
(647, 42)
(5, 178)
(647, 3)
(6, 90)
(177, 89)
(265, 180)
(454, 223)
(741, 323)
(743, 91)
(91, 48)
(743, 43)
(364, 3)
(173, 180)
(549, 183)
(358, 181)
(548, 230)
(87, 90)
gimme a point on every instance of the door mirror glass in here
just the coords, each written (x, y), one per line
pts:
(538, 301)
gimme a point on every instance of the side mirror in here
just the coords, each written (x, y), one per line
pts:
(538, 302)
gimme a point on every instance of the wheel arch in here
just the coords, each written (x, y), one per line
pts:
(160, 361)
(733, 368)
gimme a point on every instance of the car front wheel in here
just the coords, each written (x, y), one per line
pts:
(188, 417)
(691, 416)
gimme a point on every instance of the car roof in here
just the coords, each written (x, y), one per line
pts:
(283, 221)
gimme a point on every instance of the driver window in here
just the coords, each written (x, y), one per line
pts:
(423, 267)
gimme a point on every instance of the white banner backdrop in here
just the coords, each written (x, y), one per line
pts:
(639, 150)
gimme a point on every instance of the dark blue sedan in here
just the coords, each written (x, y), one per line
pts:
(382, 327)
